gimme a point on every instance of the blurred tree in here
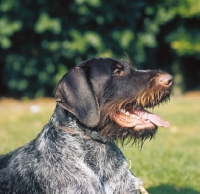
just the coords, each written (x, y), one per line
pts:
(40, 40)
(176, 24)
(45, 37)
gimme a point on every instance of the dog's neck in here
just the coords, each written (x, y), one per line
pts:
(63, 119)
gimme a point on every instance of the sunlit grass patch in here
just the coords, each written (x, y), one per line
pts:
(171, 161)
(19, 123)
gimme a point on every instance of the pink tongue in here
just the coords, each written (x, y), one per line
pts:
(155, 119)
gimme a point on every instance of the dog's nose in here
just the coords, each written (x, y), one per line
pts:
(165, 79)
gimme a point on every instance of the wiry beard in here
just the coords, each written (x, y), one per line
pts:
(112, 131)
(147, 98)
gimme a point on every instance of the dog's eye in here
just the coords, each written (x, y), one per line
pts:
(118, 70)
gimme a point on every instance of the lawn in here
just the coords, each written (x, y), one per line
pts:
(168, 164)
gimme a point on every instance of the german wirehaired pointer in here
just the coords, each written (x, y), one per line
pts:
(99, 102)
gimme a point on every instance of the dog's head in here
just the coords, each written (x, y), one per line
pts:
(110, 96)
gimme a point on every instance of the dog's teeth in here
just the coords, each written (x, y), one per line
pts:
(133, 116)
(148, 121)
(127, 113)
(123, 110)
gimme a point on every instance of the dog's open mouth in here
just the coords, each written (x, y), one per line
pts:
(139, 119)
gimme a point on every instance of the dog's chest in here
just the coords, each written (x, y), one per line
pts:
(104, 159)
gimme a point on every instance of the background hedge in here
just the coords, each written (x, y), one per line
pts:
(41, 39)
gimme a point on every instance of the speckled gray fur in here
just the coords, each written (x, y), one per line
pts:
(57, 162)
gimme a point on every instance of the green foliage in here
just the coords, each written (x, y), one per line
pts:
(184, 42)
(45, 23)
(188, 8)
(125, 37)
(7, 29)
(39, 38)
(183, 38)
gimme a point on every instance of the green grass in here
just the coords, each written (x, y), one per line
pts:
(169, 164)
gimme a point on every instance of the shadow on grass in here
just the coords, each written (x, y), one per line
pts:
(170, 189)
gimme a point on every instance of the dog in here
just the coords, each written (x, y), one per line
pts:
(99, 102)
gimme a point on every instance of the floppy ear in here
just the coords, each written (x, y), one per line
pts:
(75, 95)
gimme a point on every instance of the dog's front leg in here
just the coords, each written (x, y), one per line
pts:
(124, 182)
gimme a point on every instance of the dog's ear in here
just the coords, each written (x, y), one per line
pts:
(75, 94)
